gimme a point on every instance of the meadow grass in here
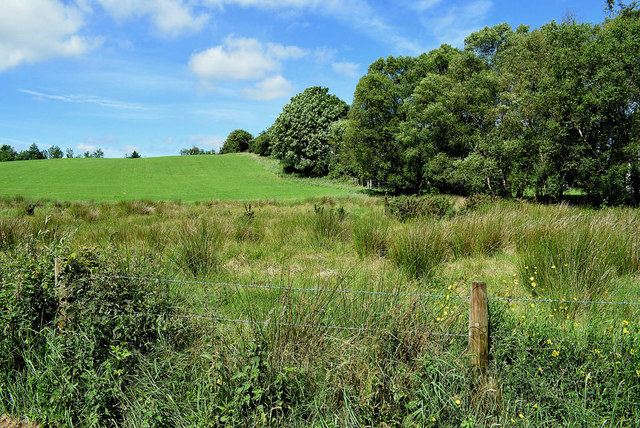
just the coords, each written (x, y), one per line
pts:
(286, 364)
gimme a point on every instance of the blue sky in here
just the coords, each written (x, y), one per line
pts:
(157, 76)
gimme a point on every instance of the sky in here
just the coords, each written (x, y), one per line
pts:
(157, 76)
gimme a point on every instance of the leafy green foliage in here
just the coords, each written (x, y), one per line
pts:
(540, 111)
(261, 145)
(300, 136)
(413, 207)
(237, 141)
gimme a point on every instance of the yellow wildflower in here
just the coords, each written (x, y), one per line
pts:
(555, 353)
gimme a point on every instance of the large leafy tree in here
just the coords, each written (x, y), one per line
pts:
(300, 136)
(375, 146)
(237, 141)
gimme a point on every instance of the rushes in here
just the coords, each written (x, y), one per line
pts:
(198, 249)
(570, 257)
(370, 236)
(420, 249)
(328, 225)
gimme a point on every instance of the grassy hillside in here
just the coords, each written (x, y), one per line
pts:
(186, 178)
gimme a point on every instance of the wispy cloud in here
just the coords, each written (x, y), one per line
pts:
(357, 14)
(457, 21)
(88, 99)
(349, 69)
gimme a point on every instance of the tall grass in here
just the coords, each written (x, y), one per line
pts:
(328, 225)
(371, 236)
(421, 248)
(574, 257)
(198, 250)
(280, 363)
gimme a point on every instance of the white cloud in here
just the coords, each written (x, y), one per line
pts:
(213, 142)
(86, 99)
(241, 59)
(347, 68)
(170, 17)
(37, 30)
(130, 149)
(269, 88)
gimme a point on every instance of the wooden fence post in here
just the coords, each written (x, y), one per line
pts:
(61, 291)
(57, 267)
(479, 326)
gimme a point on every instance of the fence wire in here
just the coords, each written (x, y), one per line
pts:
(310, 326)
(379, 293)
(311, 290)
(502, 339)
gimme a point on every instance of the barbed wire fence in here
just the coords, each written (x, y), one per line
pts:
(495, 338)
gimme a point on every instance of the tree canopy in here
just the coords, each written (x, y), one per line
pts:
(546, 111)
(300, 136)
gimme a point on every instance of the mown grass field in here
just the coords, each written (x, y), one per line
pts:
(185, 178)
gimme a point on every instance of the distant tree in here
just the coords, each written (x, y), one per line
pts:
(98, 154)
(192, 151)
(134, 155)
(55, 152)
(237, 141)
(261, 144)
(7, 153)
(87, 155)
(32, 153)
(69, 153)
(300, 135)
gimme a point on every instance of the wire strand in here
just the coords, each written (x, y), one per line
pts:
(315, 326)
(274, 287)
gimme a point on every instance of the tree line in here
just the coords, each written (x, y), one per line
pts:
(515, 113)
(8, 153)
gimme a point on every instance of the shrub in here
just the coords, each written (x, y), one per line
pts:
(408, 207)
(237, 141)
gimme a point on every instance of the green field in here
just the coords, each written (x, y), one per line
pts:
(186, 178)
